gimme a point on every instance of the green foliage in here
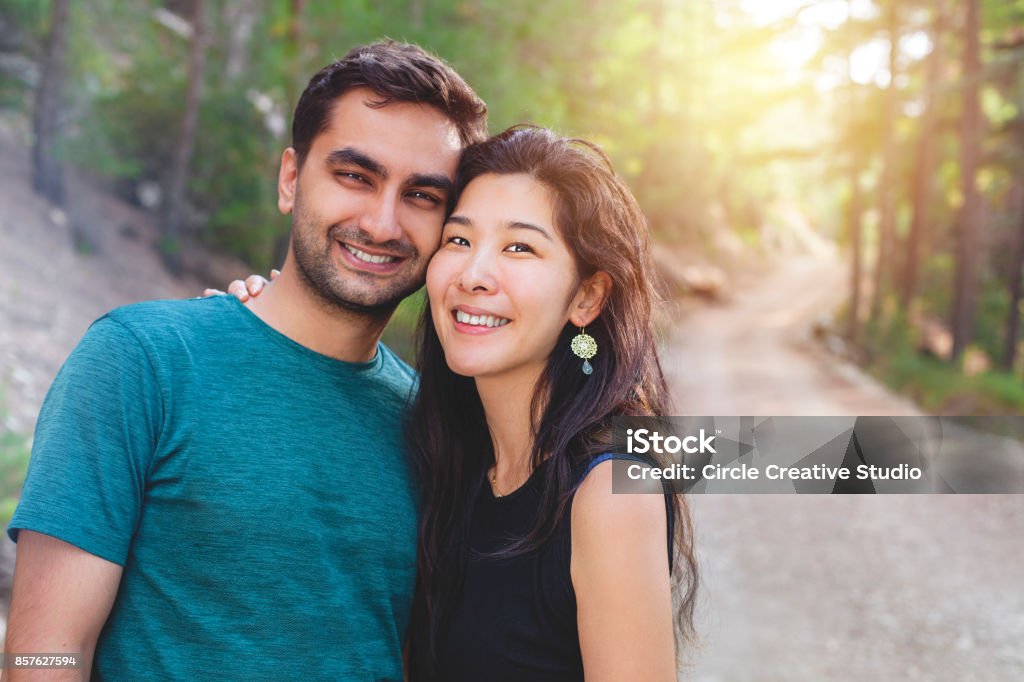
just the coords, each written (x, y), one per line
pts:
(24, 23)
(943, 389)
(234, 170)
(400, 332)
(990, 327)
(938, 386)
(14, 454)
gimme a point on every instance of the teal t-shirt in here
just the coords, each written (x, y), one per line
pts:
(257, 494)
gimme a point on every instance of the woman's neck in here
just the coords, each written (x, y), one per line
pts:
(507, 403)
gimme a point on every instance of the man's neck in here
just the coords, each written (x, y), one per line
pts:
(287, 305)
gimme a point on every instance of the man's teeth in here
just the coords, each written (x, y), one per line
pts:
(480, 320)
(369, 258)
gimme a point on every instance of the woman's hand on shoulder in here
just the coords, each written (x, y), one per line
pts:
(251, 286)
(620, 574)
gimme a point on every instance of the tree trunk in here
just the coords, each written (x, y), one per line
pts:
(293, 90)
(1014, 285)
(969, 220)
(186, 141)
(46, 171)
(854, 224)
(887, 198)
(918, 241)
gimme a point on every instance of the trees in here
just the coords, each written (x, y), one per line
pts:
(46, 170)
(969, 220)
(715, 113)
(185, 144)
(925, 160)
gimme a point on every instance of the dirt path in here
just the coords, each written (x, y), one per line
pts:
(753, 355)
(50, 291)
(835, 588)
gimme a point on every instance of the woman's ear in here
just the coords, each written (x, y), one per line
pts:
(590, 299)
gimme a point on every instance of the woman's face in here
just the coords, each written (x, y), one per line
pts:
(503, 284)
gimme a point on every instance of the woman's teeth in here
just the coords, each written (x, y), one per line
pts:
(480, 320)
(369, 258)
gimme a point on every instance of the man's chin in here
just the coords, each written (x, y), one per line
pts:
(374, 303)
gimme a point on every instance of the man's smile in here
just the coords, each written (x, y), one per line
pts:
(366, 260)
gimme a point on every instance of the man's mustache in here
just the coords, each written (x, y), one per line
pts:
(357, 237)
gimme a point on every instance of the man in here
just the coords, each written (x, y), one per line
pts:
(168, 530)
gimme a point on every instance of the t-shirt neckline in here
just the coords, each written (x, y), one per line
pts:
(371, 366)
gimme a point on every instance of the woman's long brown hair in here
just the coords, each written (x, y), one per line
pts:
(601, 223)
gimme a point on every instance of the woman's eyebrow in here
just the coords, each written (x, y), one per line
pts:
(511, 225)
(520, 225)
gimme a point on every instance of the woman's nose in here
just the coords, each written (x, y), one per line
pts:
(477, 275)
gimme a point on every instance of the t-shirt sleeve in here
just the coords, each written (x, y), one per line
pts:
(94, 441)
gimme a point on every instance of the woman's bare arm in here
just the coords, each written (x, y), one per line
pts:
(620, 574)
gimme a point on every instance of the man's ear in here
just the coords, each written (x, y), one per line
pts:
(590, 299)
(287, 180)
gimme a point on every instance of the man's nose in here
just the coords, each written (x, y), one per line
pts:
(380, 219)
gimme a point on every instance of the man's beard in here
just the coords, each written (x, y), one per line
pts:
(316, 265)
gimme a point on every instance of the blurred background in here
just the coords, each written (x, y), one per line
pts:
(836, 193)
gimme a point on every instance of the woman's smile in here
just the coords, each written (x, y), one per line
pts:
(469, 320)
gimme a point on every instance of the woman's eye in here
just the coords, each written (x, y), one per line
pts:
(519, 248)
(458, 241)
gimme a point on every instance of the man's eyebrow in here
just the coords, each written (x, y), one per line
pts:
(441, 182)
(348, 155)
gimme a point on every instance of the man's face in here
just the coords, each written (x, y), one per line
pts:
(369, 201)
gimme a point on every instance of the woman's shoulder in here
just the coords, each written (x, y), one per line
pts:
(596, 505)
(616, 537)
(613, 464)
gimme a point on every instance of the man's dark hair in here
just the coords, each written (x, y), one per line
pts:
(396, 72)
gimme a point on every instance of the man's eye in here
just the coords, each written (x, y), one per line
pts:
(349, 175)
(519, 247)
(426, 197)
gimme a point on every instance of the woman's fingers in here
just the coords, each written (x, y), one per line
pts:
(254, 284)
(238, 290)
(212, 292)
(244, 289)
(274, 273)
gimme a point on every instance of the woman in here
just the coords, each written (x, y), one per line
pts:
(529, 567)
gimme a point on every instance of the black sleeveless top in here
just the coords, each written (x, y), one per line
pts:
(515, 619)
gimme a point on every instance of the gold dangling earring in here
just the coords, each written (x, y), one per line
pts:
(584, 346)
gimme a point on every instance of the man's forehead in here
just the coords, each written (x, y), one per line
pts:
(401, 135)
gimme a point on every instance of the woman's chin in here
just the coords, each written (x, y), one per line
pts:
(468, 370)
(467, 365)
